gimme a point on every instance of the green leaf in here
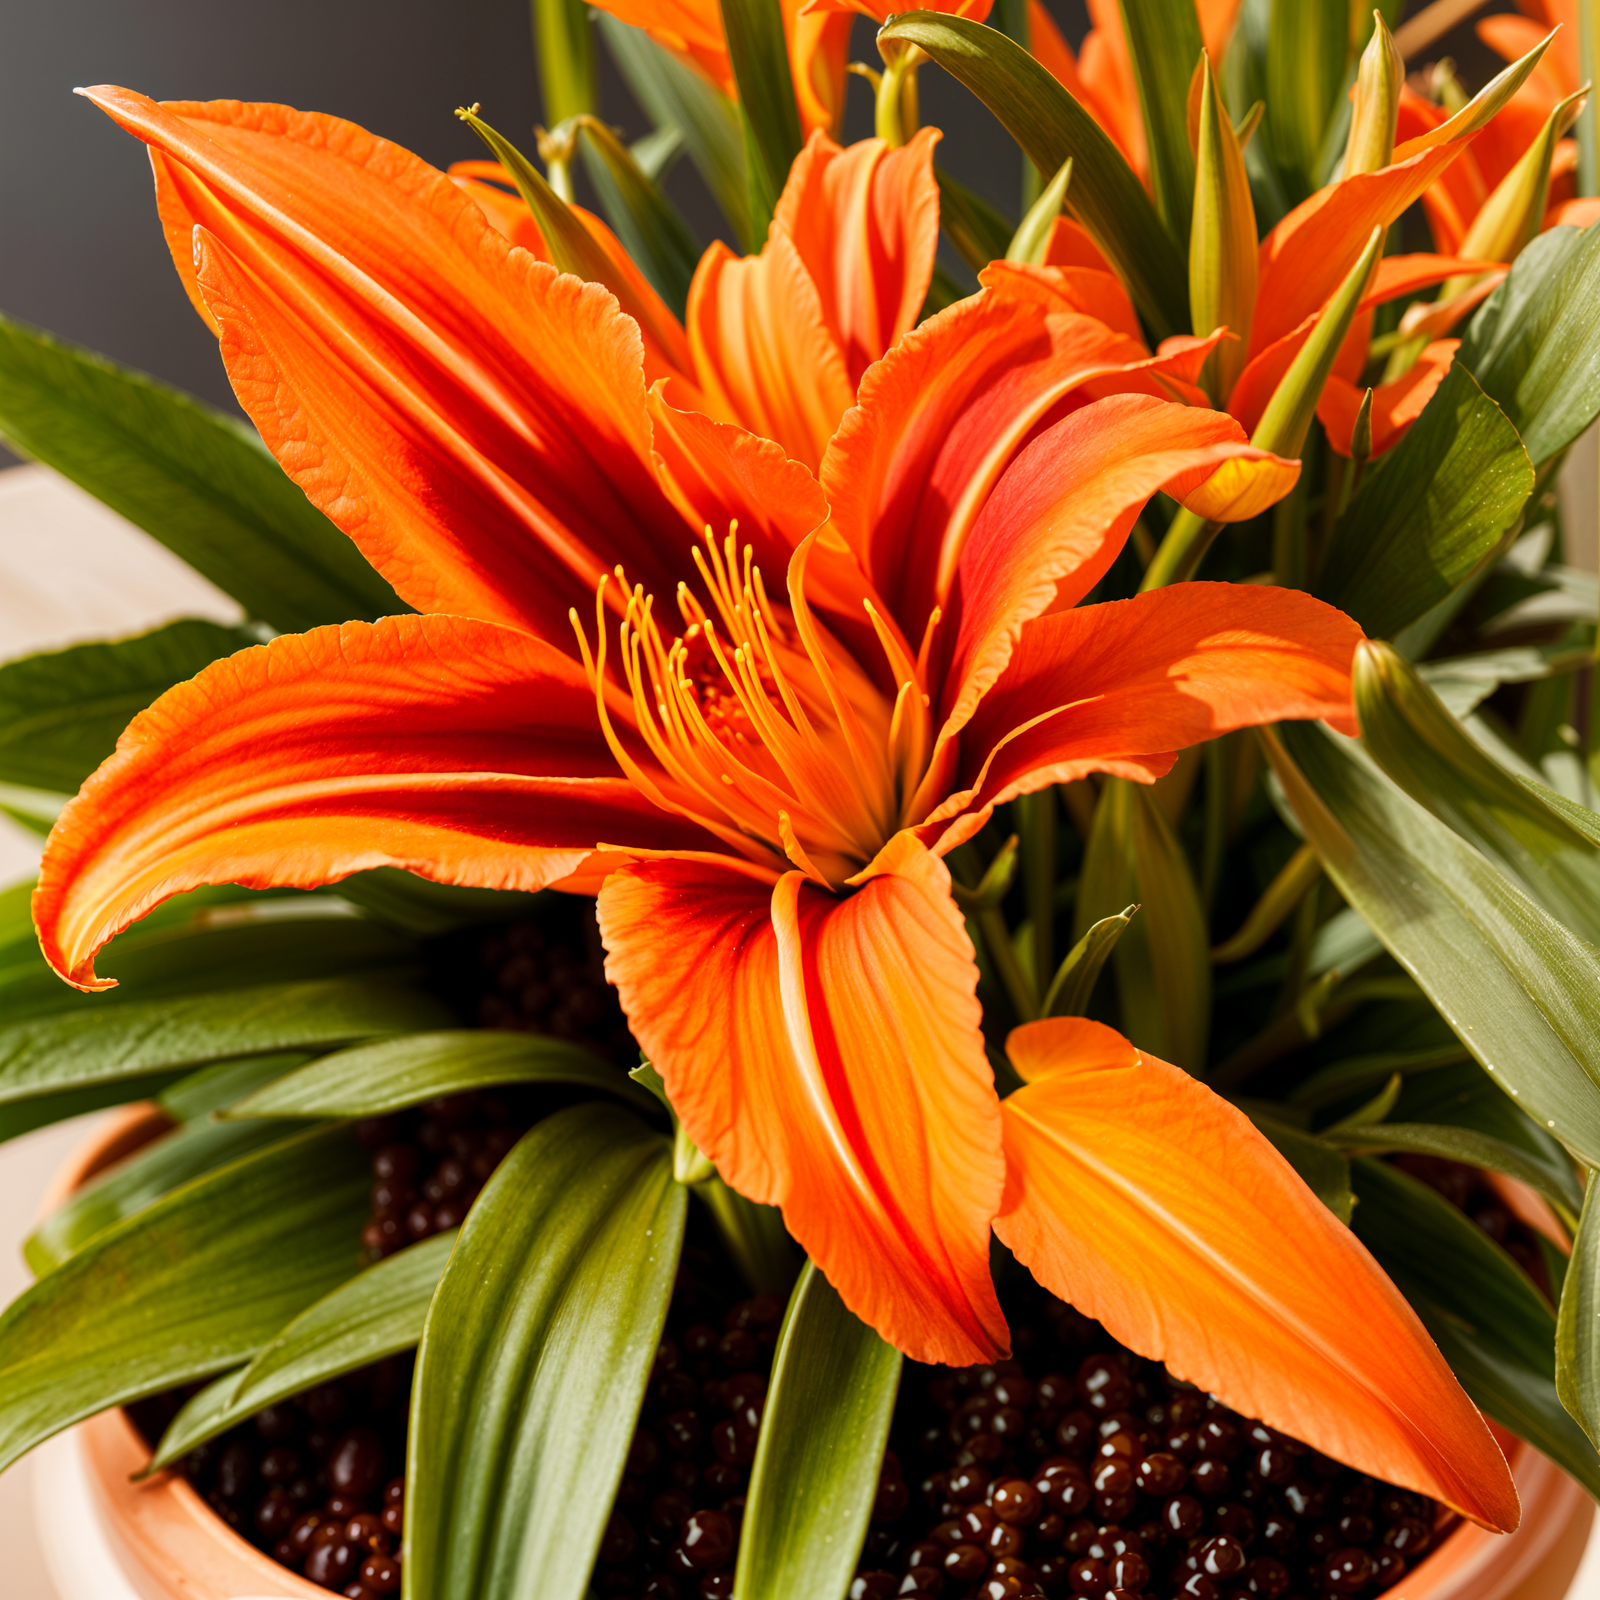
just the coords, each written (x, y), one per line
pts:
(678, 95)
(60, 714)
(1163, 959)
(564, 50)
(977, 231)
(821, 1450)
(1343, 1079)
(192, 478)
(1453, 1144)
(193, 1285)
(143, 1036)
(647, 223)
(375, 1079)
(1107, 198)
(413, 905)
(1515, 986)
(753, 1235)
(1073, 984)
(1531, 343)
(1164, 45)
(1463, 683)
(1490, 1323)
(378, 1313)
(1441, 766)
(1464, 1096)
(197, 1094)
(1307, 44)
(759, 55)
(1434, 512)
(212, 947)
(1326, 1171)
(1578, 1323)
(534, 1360)
(139, 1181)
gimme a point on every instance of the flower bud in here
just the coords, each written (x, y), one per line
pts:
(1031, 242)
(1222, 240)
(1377, 103)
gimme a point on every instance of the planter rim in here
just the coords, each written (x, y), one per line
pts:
(184, 1551)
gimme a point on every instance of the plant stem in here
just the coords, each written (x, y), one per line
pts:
(1038, 816)
(1216, 823)
(1018, 986)
(1188, 537)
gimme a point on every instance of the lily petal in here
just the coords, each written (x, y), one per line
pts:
(1306, 257)
(941, 416)
(865, 222)
(473, 419)
(1154, 1206)
(1061, 514)
(763, 355)
(457, 750)
(1132, 679)
(1396, 276)
(825, 1053)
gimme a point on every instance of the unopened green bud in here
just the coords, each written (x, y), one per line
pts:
(1361, 432)
(1377, 103)
(1287, 418)
(1222, 239)
(1512, 215)
(1031, 242)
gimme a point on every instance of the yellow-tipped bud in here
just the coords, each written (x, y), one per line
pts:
(1512, 215)
(1031, 242)
(1287, 419)
(1377, 103)
(1222, 239)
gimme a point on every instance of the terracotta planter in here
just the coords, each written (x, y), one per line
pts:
(159, 1540)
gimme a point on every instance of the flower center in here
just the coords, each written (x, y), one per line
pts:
(769, 731)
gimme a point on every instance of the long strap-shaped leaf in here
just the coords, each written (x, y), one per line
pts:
(1106, 196)
(187, 475)
(144, 1036)
(1164, 45)
(60, 713)
(372, 1080)
(266, 941)
(1440, 765)
(1489, 1321)
(191, 1286)
(680, 96)
(158, 1169)
(1433, 513)
(1578, 1322)
(650, 227)
(534, 1360)
(759, 55)
(1532, 343)
(1517, 987)
(377, 1314)
(821, 1449)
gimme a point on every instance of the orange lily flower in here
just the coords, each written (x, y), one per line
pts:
(763, 800)
(819, 48)
(778, 342)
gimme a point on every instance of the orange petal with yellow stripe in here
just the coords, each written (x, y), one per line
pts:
(825, 1053)
(454, 749)
(1154, 1206)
